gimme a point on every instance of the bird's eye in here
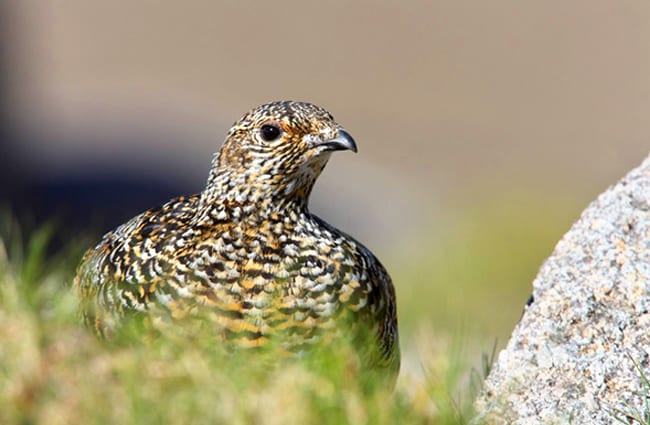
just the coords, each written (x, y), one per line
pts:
(270, 132)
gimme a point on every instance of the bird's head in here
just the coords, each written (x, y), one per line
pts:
(279, 149)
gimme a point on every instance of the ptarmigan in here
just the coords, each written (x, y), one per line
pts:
(248, 250)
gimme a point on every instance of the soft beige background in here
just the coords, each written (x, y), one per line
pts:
(451, 101)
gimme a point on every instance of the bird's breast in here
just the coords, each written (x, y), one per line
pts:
(258, 288)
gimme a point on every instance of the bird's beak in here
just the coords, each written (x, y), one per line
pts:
(343, 141)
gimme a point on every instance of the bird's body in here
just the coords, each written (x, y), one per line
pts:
(247, 252)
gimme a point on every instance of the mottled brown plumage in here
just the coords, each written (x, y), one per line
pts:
(247, 250)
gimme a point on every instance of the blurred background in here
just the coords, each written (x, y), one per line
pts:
(484, 128)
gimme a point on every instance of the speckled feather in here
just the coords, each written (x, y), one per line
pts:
(247, 250)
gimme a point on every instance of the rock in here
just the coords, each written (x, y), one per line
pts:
(573, 357)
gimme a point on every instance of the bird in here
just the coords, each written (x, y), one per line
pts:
(248, 251)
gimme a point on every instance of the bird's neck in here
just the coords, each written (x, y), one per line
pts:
(251, 198)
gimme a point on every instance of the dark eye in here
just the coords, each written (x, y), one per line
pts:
(270, 132)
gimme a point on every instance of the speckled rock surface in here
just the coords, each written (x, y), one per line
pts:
(571, 359)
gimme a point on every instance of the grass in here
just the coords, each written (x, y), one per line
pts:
(52, 370)
(630, 415)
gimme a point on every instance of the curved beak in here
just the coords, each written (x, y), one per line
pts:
(342, 142)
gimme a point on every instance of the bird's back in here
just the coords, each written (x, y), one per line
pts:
(129, 268)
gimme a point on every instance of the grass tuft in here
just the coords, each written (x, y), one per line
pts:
(629, 414)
